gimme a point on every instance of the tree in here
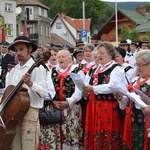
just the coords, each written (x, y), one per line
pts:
(97, 10)
(125, 33)
(134, 35)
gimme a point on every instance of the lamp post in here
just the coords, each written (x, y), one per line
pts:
(84, 33)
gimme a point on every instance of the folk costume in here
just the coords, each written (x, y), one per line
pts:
(27, 131)
(103, 124)
(137, 123)
(27, 128)
(83, 69)
(130, 57)
(68, 135)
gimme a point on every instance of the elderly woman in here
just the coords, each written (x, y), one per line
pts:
(103, 124)
(87, 63)
(65, 95)
(140, 123)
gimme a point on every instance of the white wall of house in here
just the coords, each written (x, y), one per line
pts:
(8, 11)
(60, 29)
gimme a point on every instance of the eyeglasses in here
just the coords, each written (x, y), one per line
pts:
(141, 65)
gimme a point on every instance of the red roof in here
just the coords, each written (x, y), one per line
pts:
(57, 40)
(30, 2)
(77, 23)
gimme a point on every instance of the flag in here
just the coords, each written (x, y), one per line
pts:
(25, 29)
(3, 39)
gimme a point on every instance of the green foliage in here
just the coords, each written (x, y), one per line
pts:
(148, 34)
(134, 35)
(148, 7)
(1, 23)
(97, 10)
(125, 33)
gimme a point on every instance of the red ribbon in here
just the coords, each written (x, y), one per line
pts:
(85, 69)
(61, 76)
(91, 125)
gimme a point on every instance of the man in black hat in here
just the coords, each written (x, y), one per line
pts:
(5, 59)
(143, 44)
(80, 44)
(125, 44)
(130, 56)
(27, 130)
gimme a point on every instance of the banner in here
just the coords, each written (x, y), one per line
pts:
(25, 29)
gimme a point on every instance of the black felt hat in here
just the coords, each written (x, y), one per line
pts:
(5, 44)
(22, 39)
(77, 51)
(143, 41)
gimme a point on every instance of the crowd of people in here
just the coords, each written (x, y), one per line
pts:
(94, 118)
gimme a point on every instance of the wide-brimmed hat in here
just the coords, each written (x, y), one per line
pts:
(77, 51)
(125, 42)
(134, 43)
(143, 41)
(79, 43)
(22, 39)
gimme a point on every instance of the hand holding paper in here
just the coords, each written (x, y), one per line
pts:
(122, 89)
(77, 80)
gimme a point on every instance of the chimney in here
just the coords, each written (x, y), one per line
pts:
(63, 15)
(141, 10)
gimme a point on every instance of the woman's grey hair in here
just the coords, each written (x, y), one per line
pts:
(145, 55)
(109, 48)
(89, 45)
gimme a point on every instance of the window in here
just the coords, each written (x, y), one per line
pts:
(46, 31)
(40, 11)
(8, 7)
(40, 29)
(9, 28)
(58, 25)
(119, 31)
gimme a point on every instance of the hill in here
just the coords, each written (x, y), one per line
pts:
(128, 5)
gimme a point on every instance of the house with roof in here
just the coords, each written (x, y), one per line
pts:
(137, 19)
(8, 17)
(33, 15)
(69, 28)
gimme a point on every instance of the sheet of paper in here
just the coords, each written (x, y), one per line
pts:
(77, 80)
(144, 97)
(136, 99)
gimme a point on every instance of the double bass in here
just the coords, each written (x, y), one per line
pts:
(15, 104)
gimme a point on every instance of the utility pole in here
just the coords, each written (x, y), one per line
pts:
(84, 32)
(83, 5)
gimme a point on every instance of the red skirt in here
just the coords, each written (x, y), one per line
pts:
(103, 126)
